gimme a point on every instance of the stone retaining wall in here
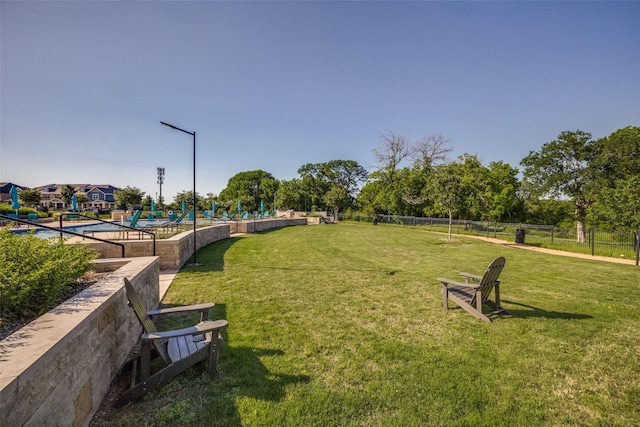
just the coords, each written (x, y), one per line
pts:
(57, 369)
(254, 226)
(173, 252)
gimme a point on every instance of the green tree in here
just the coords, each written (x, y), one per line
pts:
(314, 184)
(619, 207)
(474, 188)
(414, 184)
(403, 189)
(335, 198)
(250, 188)
(562, 169)
(128, 197)
(30, 197)
(617, 166)
(394, 150)
(617, 156)
(146, 202)
(500, 193)
(208, 200)
(448, 191)
(187, 197)
(318, 179)
(370, 197)
(289, 195)
(67, 193)
(535, 210)
(345, 178)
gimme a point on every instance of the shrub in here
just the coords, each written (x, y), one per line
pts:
(6, 209)
(35, 272)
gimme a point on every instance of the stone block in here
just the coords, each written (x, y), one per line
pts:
(82, 405)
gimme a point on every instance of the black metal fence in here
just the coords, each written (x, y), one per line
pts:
(596, 241)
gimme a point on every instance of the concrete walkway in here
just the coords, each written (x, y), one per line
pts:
(166, 277)
(552, 251)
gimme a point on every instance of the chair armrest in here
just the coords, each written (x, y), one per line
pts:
(199, 329)
(449, 282)
(469, 276)
(181, 309)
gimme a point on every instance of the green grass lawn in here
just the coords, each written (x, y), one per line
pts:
(343, 325)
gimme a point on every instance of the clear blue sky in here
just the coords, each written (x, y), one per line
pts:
(275, 85)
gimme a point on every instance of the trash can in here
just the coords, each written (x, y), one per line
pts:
(520, 232)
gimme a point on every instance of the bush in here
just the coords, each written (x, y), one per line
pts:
(35, 272)
(24, 211)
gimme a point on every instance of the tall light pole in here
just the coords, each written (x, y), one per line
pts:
(160, 181)
(195, 247)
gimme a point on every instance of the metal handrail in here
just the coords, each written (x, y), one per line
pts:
(73, 233)
(153, 235)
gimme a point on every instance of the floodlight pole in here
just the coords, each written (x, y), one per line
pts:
(195, 247)
(160, 181)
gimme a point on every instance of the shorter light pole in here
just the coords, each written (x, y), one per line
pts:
(195, 247)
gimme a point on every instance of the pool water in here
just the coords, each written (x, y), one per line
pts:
(46, 234)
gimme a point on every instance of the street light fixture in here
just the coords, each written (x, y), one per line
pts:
(195, 247)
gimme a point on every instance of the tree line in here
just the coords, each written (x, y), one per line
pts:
(571, 180)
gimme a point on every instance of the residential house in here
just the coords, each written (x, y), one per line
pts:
(5, 187)
(100, 196)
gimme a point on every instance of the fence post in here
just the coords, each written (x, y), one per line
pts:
(638, 246)
(592, 233)
(552, 234)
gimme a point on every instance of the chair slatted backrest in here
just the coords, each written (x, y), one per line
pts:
(180, 218)
(490, 277)
(145, 320)
(135, 218)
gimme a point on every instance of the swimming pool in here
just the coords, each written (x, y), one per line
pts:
(80, 229)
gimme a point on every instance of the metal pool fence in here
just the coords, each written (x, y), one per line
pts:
(596, 241)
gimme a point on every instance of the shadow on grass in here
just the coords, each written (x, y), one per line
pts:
(247, 376)
(211, 257)
(538, 312)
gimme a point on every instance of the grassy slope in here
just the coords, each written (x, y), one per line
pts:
(344, 325)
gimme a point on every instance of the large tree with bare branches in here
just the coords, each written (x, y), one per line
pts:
(431, 150)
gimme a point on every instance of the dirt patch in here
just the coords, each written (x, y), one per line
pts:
(77, 286)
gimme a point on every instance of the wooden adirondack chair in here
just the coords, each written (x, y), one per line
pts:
(179, 349)
(475, 291)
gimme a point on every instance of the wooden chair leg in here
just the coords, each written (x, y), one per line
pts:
(445, 297)
(214, 353)
(134, 371)
(145, 361)
(479, 301)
